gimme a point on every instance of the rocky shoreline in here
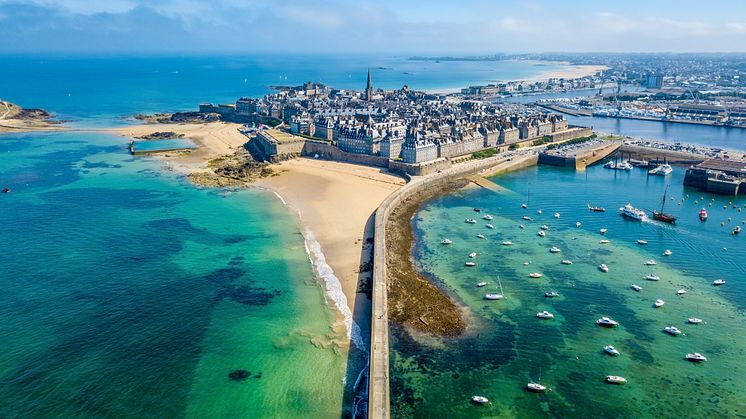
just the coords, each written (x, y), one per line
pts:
(14, 118)
(414, 300)
(237, 170)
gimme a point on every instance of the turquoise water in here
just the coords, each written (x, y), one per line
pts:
(164, 145)
(507, 346)
(128, 292)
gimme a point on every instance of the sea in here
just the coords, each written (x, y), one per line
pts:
(506, 346)
(128, 292)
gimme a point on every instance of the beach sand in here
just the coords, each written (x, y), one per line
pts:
(570, 72)
(215, 139)
(336, 202)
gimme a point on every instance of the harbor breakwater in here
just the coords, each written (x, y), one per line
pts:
(379, 386)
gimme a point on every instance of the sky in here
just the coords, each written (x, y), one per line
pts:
(383, 26)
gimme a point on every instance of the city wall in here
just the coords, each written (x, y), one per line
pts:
(327, 151)
(649, 153)
(379, 406)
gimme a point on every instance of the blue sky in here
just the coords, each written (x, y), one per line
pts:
(404, 26)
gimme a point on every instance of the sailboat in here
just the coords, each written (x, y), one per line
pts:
(494, 295)
(662, 216)
(536, 387)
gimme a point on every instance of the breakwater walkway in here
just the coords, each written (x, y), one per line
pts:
(379, 406)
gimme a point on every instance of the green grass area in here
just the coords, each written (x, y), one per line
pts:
(483, 154)
(541, 141)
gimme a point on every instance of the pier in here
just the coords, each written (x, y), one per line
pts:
(579, 156)
(379, 405)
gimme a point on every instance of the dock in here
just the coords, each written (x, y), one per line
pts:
(581, 155)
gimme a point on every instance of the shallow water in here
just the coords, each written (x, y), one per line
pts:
(508, 346)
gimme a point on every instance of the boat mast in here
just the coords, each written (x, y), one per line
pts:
(501, 285)
(663, 203)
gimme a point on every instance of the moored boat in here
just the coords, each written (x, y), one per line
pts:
(507, 243)
(718, 282)
(694, 320)
(446, 241)
(535, 387)
(551, 294)
(526, 217)
(545, 315)
(636, 287)
(488, 217)
(736, 230)
(607, 322)
(615, 379)
(556, 215)
(596, 209)
(490, 226)
(470, 264)
(659, 303)
(480, 400)
(652, 277)
(473, 255)
(470, 221)
(643, 242)
(493, 296)
(650, 262)
(672, 330)
(667, 252)
(681, 292)
(609, 349)
(603, 230)
(604, 241)
(554, 249)
(603, 268)
(480, 236)
(566, 262)
(535, 275)
(481, 284)
(541, 233)
(703, 215)
(696, 357)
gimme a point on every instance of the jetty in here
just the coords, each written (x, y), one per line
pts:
(379, 405)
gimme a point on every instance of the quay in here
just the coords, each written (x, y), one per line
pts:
(379, 406)
(726, 177)
(580, 155)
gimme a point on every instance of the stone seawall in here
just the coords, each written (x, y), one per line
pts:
(327, 151)
(649, 153)
(378, 379)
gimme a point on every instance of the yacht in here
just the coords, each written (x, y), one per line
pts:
(681, 292)
(490, 226)
(611, 350)
(493, 296)
(610, 165)
(470, 221)
(636, 287)
(566, 262)
(659, 303)
(480, 400)
(603, 268)
(470, 264)
(446, 241)
(551, 294)
(650, 262)
(667, 252)
(643, 242)
(541, 233)
(652, 277)
(603, 231)
(473, 255)
(526, 217)
(535, 275)
(696, 357)
(544, 227)
(545, 315)
(554, 249)
(535, 387)
(607, 322)
(672, 330)
(718, 282)
(615, 379)
(488, 217)
(604, 241)
(623, 165)
(481, 284)
(507, 243)
(480, 236)
(556, 215)
(662, 170)
(633, 213)
(694, 320)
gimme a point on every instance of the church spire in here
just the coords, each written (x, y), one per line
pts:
(369, 88)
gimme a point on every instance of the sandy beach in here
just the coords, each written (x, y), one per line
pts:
(335, 202)
(570, 72)
(215, 139)
(16, 119)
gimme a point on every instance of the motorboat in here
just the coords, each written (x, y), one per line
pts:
(556, 215)
(696, 357)
(481, 284)
(446, 241)
(480, 400)
(480, 236)
(470, 264)
(535, 275)
(545, 315)
(490, 226)
(636, 287)
(694, 320)
(643, 242)
(652, 277)
(650, 262)
(607, 322)
(539, 212)
(554, 249)
(659, 303)
(541, 233)
(544, 227)
(470, 221)
(633, 213)
(611, 350)
(525, 263)
(507, 243)
(524, 206)
(526, 217)
(662, 170)
(535, 387)
(577, 224)
(551, 294)
(718, 282)
(703, 215)
(615, 379)
(603, 268)
(477, 210)
(603, 230)
(736, 230)
(566, 262)
(488, 217)
(521, 226)
(667, 252)
(473, 255)
(604, 241)
(672, 330)
(596, 209)
(681, 292)
(493, 296)
(6, 190)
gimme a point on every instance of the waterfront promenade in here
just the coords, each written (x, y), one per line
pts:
(378, 384)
